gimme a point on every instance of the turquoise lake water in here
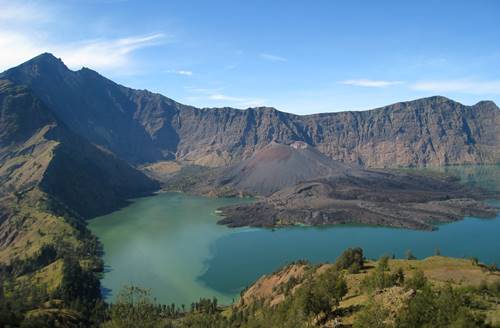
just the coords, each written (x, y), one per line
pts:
(171, 243)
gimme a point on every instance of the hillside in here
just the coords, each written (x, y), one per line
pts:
(50, 177)
(377, 294)
(37, 151)
(352, 292)
(277, 166)
(140, 126)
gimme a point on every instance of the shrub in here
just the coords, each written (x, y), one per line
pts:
(351, 259)
(373, 315)
(381, 277)
(417, 281)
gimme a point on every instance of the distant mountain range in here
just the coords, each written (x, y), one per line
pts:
(139, 127)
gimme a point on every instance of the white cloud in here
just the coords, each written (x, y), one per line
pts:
(219, 96)
(17, 12)
(370, 83)
(465, 86)
(237, 101)
(272, 57)
(25, 32)
(180, 72)
(104, 53)
(184, 72)
(16, 48)
(100, 54)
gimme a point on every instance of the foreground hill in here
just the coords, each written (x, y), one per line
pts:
(352, 292)
(140, 126)
(433, 292)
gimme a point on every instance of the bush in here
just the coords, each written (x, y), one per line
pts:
(351, 259)
(446, 307)
(417, 281)
(381, 277)
(372, 316)
(322, 293)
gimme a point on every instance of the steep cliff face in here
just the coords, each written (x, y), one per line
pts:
(430, 131)
(37, 151)
(140, 126)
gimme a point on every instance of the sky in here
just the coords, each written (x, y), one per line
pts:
(298, 56)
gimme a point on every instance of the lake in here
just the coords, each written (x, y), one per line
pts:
(171, 243)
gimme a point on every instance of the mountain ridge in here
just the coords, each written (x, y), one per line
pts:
(143, 127)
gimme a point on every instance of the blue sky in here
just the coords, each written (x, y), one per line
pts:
(298, 56)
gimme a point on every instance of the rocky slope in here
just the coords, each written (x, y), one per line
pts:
(295, 184)
(140, 126)
(277, 166)
(38, 151)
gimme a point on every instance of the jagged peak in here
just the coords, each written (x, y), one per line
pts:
(46, 58)
(43, 64)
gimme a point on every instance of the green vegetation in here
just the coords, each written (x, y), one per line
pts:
(352, 292)
(52, 276)
(383, 294)
(382, 277)
(351, 259)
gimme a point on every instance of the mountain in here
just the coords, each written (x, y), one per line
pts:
(142, 127)
(277, 166)
(37, 151)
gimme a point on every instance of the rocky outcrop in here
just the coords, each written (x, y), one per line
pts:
(140, 126)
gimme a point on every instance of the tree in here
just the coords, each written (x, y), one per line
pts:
(351, 259)
(445, 307)
(381, 277)
(323, 293)
(134, 308)
(78, 284)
